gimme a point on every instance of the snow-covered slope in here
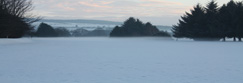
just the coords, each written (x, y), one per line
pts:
(119, 60)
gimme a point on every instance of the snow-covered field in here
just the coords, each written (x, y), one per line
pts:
(119, 60)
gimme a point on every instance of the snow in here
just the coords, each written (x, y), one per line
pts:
(119, 60)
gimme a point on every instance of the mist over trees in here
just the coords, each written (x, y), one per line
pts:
(135, 28)
(14, 21)
(211, 22)
(80, 32)
(45, 30)
(99, 32)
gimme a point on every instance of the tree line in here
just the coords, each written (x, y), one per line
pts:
(45, 30)
(135, 28)
(212, 22)
(15, 22)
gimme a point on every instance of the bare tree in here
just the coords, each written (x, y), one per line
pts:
(15, 17)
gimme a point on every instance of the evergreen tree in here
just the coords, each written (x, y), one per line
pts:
(149, 29)
(134, 27)
(212, 20)
(193, 25)
(180, 30)
(45, 30)
(239, 26)
(232, 18)
(223, 22)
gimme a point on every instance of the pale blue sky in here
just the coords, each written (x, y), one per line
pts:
(159, 12)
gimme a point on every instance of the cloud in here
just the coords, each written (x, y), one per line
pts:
(65, 6)
(97, 5)
(115, 10)
(162, 2)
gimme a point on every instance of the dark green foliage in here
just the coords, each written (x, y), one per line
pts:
(134, 28)
(62, 32)
(45, 30)
(211, 22)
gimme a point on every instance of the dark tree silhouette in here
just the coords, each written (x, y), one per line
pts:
(192, 25)
(62, 32)
(14, 21)
(232, 19)
(135, 28)
(223, 22)
(45, 30)
(149, 29)
(117, 32)
(212, 22)
(239, 26)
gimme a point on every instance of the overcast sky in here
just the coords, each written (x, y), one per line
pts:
(159, 12)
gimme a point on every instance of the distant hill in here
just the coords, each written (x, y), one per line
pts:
(82, 21)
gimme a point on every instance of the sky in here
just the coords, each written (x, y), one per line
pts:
(158, 12)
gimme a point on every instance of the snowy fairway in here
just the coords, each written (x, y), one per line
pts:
(119, 60)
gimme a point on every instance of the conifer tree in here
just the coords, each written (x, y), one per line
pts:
(223, 22)
(232, 19)
(212, 20)
(192, 25)
(239, 26)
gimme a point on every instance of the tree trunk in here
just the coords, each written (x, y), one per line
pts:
(224, 39)
(234, 38)
(240, 39)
